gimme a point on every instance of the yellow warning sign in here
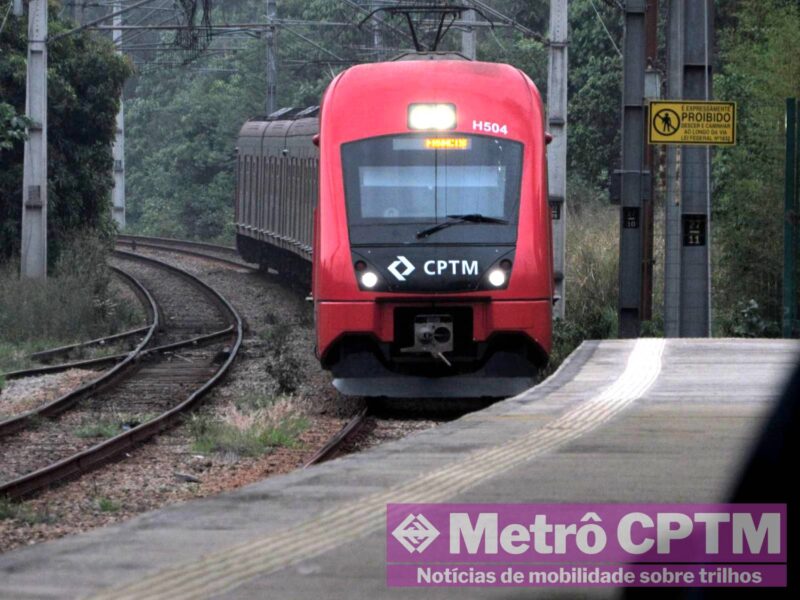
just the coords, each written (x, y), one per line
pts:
(692, 122)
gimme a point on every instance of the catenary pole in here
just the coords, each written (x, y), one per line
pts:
(557, 150)
(272, 58)
(33, 252)
(695, 286)
(672, 209)
(632, 175)
(118, 149)
(468, 42)
(648, 196)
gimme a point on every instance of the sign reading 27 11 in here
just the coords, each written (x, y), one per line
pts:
(694, 122)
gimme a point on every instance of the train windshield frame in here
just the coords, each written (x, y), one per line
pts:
(398, 185)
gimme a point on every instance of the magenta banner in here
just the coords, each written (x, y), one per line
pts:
(586, 545)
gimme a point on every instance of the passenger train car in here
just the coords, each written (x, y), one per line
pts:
(416, 199)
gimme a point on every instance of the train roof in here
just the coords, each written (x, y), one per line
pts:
(425, 71)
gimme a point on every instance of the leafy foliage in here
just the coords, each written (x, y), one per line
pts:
(12, 126)
(760, 69)
(80, 286)
(85, 79)
(182, 123)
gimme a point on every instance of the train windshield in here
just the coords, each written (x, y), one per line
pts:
(399, 186)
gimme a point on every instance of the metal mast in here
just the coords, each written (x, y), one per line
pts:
(633, 184)
(695, 287)
(557, 150)
(468, 42)
(687, 274)
(118, 149)
(33, 261)
(272, 58)
(672, 237)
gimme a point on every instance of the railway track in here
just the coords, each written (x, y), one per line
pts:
(227, 255)
(334, 445)
(192, 341)
(92, 363)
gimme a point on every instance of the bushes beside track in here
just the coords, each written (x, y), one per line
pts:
(78, 302)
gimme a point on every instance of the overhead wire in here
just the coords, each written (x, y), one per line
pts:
(608, 33)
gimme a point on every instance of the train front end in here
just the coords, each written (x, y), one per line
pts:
(432, 272)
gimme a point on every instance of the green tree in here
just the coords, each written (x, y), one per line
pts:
(85, 79)
(12, 127)
(759, 54)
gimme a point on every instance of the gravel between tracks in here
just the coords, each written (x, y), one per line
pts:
(21, 395)
(275, 361)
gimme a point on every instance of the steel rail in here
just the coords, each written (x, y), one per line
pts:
(188, 247)
(93, 362)
(334, 444)
(62, 403)
(98, 454)
(50, 352)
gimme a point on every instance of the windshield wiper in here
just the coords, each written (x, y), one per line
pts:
(456, 219)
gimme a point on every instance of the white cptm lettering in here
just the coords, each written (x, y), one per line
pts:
(451, 267)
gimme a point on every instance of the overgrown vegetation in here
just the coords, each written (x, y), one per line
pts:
(85, 78)
(17, 511)
(107, 504)
(110, 425)
(182, 121)
(759, 68)
(592, 256)
(99, 429)
(281, 363)
(78, 302)
(247, 432)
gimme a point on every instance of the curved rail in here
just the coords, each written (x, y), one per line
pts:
(62, 403)
(188, 247)
(93, 362)
(94, 456)
(333, 445)
(50, 352)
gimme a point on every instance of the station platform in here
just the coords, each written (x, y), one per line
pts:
(621, 421)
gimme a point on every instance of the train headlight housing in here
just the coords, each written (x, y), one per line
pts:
(369, 279)
(436, 117)
(497, 277)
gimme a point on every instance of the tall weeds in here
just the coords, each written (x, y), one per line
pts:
(77, 302)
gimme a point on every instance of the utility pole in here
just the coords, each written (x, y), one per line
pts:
(377, 38)
(33, 261)
(672, 234)
(695, 288)
(557, 150)
(651, 57)
(468, 41)
(633, 178)
(272, 58)
(18, 9)
(118, 149)
(687, 269)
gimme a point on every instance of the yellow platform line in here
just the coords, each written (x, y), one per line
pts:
(225, 570)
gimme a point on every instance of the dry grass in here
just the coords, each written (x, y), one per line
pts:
(592, 256)
(248, 431)
(77, 302)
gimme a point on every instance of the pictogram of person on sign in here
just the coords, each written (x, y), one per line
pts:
(666, 122)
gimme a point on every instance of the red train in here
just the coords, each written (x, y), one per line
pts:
(431, 244)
